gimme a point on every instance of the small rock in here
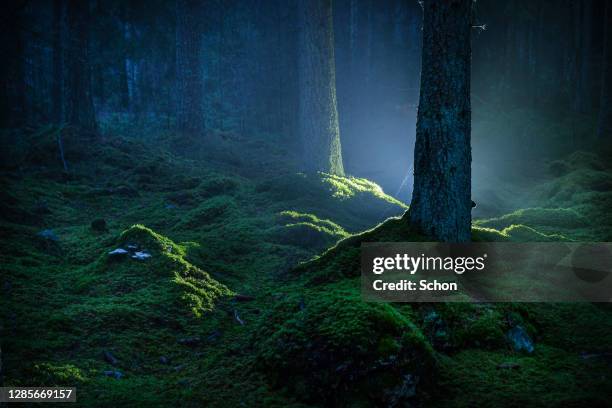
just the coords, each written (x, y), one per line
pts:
(244, 298)
(179, 367)
(190, 341)
(114, 374)
(170, 207)
(519, 339)
(109, 358)
(141, 255)
(132, 247)
(48, 235)
(164, 360)
(508, 366)
(117, 253)
(98, 225)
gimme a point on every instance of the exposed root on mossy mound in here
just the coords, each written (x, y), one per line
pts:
(330, 348)
(363, 202)
(305, 230)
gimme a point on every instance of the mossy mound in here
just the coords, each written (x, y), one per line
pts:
(306, 230)
(121, 293)
(165, 271)
(212, 211)
(539, 218)
(579, 160)
(343, 259)
(363, 202)
(330, 348)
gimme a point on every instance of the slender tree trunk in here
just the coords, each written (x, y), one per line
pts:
(57, 97)
(190, 81)
(124, 64)
(441, 200)
(13, 92)
(318, 113)
(582, 99)
(79, 102)
(604, 127)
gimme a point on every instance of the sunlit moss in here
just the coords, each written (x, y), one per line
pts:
(347, 187)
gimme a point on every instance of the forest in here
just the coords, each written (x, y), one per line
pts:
(186, 186)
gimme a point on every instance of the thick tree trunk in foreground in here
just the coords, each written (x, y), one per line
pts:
(189, 76)
(604, 127)
(441, 200)
(318, 114)
(79, 101)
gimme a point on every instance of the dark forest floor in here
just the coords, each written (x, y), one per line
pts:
(219, 315)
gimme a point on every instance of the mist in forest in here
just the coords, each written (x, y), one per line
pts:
(534, 64)
(186, 187)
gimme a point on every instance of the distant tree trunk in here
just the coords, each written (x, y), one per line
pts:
(604, 127)
(318, 113)
(441, 200)
(13, 92)
(79, 102)
(57, 97)
(124, 89)
(190, 81)
(582, 101)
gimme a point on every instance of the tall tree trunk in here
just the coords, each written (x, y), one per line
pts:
(318, 113)
(57, 97)
(13, 92)
(79, 102)
(124, 88)
(441, 201)
(604, 127)
(582, 99)
(190, 81)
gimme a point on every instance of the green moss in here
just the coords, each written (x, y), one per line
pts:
(332, 348)
(306, 230)
(538, 217)
(579, 160)
(62, 307)
(212, 211)
(184, 281)
(350, 187)
(363, 202)
(551, 377)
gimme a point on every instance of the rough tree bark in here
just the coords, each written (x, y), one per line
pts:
(57, 85)
(318, 114)
(441, 200)
(190, 81)
(79, 101)
(13, 110)
(604, 126)
(582, 98)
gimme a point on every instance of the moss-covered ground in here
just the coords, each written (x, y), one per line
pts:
(250, 296)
